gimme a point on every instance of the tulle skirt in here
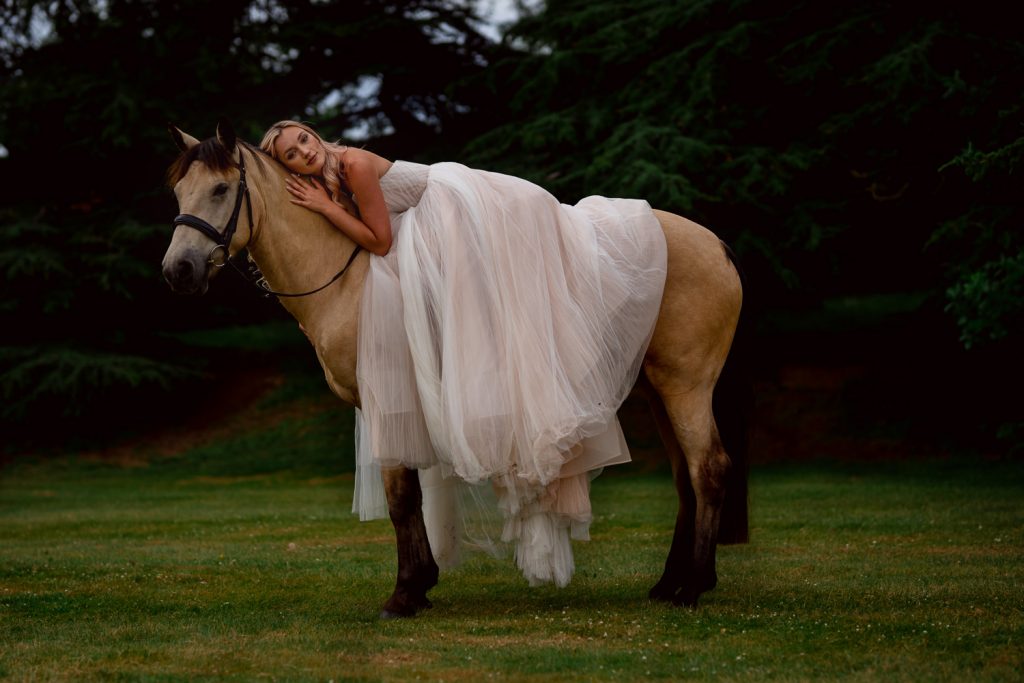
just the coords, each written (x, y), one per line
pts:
(497, 340)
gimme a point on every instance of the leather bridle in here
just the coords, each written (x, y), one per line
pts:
(222, 240)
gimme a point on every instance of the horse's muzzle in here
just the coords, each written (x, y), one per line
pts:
(186, 275)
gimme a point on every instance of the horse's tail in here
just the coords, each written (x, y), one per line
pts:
(733, 404)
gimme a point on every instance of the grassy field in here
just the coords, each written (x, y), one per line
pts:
(238, 559)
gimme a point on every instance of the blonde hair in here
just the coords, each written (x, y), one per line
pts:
(332, 173)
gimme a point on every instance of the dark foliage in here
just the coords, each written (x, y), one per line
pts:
(86, 89)
(845, 149)
(816, 137)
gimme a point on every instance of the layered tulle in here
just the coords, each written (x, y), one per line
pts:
(497, 339)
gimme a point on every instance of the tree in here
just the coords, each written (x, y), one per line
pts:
(86, 88)
(847, 150)
(813, 136)
(984, 247)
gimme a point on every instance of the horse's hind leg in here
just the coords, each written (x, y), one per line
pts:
(417, 570)
(700, 480)
(680, 555)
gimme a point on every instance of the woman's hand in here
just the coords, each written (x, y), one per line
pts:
(308, 193)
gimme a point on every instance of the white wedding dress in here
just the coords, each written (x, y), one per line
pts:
(497, 340)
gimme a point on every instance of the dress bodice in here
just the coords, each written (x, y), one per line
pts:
(403, 185)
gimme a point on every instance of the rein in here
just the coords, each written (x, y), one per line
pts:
(222, 240)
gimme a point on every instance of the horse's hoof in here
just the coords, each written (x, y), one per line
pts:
(662, 592)
(424, 603)
(686, 598)
(396, 608)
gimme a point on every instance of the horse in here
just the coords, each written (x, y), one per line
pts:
(295, 249)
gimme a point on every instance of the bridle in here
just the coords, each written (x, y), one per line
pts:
(222, 240)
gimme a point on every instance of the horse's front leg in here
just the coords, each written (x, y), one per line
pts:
(417, 571)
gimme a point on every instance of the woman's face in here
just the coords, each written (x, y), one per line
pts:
(299, 151)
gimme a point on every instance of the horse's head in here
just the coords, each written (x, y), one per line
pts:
(209, 181)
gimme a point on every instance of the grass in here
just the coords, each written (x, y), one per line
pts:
(239, 560)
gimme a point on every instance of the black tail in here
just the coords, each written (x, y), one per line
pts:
(733, 406)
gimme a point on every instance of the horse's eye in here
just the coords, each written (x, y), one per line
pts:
(220, 189)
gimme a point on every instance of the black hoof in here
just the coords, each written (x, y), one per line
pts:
(709, 582)
(686, 598)
(398, 609)
(405, 606)
(662, 592)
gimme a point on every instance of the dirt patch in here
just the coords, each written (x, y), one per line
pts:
(401, 658)
(231, 406)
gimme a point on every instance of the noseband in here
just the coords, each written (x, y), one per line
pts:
(222, 240)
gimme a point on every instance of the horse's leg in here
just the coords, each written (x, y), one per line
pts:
(417, 571)
(691, 342)
(680, 554)
(707, 465)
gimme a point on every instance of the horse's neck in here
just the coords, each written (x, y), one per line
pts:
(296, 249)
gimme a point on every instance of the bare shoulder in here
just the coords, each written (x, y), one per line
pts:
(362, 162)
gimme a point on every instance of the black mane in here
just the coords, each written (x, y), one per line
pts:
(212, 154)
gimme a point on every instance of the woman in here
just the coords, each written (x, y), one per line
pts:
(499, 330)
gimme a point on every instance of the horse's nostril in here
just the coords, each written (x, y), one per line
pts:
(179, 273)
(183, 270)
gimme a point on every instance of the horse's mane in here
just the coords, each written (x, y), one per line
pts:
(213, 155)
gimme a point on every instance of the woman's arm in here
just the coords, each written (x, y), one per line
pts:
(372, 230)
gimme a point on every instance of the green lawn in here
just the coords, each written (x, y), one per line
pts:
(239, 559)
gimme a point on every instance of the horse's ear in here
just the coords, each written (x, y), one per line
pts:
(226, 135)
(183, 140)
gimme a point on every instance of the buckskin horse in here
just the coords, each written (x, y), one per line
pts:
(298, 253)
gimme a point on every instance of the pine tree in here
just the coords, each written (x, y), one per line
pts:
(86, 89)
(816, 137)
